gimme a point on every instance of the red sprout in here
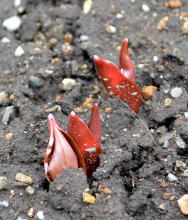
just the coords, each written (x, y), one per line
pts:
(120, 81)
(79, 147)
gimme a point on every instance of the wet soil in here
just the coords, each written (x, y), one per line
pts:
(140, 151)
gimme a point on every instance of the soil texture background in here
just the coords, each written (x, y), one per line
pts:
(143, 171)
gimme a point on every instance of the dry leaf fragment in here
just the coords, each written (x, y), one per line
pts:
(174, 4)
(162, 23)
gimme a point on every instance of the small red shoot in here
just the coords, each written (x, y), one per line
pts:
(120, 81)
(79, 147)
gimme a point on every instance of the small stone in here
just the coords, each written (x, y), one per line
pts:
(185, 173)
(166, 196)
(166, 144)
(84, 38)
(67, 84)
(20, 218)
(162, 23)
(5, 40)
(3, 182)
(54, 108)
(12, 24)
(171, 177)
(186, 115)
(35, 82)
(184, 28)
(67, 48)
(148, 91)
(180, 164)
(31, 212)
(174, 4)
(155, 59)
(17, 3)
(162, 206)
(145, 8)
(19, 51)
(167, 102)
(183, 204)
(30, 190)
(24, 178)
(88, 198)
(110, 29)
(9, 136)
(40, 215)
(180, 142)
(4, 203)
(87, 6)
(4, 97)
(176, 92)
(68, 38)
(105, 189)
(9, 112)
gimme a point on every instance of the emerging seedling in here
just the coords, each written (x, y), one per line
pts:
(79, 147)
(120, 81)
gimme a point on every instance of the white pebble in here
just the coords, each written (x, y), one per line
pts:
(145, 8)
(186, 115)
(140, 65)
(40, 215)
(68, 84)
(171, 177)
(84, 38)
(20, 218)
(4, 203)
(17, 3)
(12, 24)
(155, 59)
(180, 142)
(176, 92)
(19, 51)
(5, 40)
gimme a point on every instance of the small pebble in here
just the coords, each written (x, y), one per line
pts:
(9, 136)
(31, 212)
(23, 178)
(88, 198)
(186, 115)
(184, 28)
(185, 173)
(9, 112)
(30, 190)
(67, 84)
(40, 215)
(171, 177)
(176, 92)
(68, 38)
(183, 204)
(5, 40)
(155, 59)
(110, 29)
(17, 3)
(4, 97)
(3, 182)
(167, 102)
(166, 144)
(148, 91)
(20, 218)
(12, 24)
(84, 38)
(19, 51)
(87, 6)
(180, 142)
(4, 203)
(180, 163)
(35, 82)
(162, 23)
(145, 8)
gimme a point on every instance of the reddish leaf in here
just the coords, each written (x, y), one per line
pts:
(117, 84)
(59, 154)
(86, 142)
(126, 65)
(95, 124)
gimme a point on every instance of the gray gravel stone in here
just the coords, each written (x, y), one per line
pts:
(35, 82)
(176, 92)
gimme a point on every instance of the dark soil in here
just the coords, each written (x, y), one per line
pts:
(139, 151)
